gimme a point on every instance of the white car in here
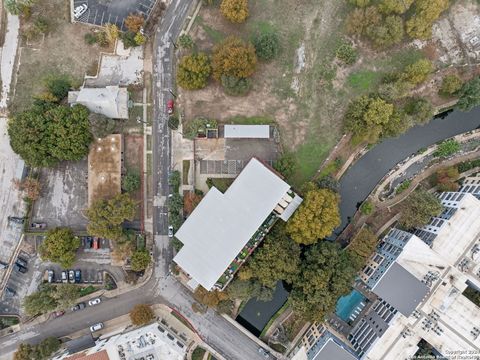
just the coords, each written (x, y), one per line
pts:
(94, 302)
(170, 231)
(96, 327)
(79, 11)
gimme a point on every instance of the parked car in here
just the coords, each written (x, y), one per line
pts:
(264, 352)
(89, 242)
(64, 276)
(170, 107)
(36, 225)
(51, 276)
(78, 276)
(170, 231)
(58, 313)
(94, 302)
(21, 261)
(96, 243)
(79, 306)
(80, 10)
(10, 292)
(71, 276)
(16, 219)
(3, 265)
(96, 327)
(20, 268)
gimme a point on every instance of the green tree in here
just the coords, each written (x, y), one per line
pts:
(141, 314)
(41, 301)
(418, 208)
(46, 135)
(140, 39)
(186, 41)
(286, 164)
(105, 217)
(193, 71)
(140, 260)
(417, 72)
(362, 19)
(424, 14)
(447, 148)
(60, 246)
(366, 208)
(346, 53)
(234, 86)
(388, 33)
(395, 6)
(327, 273)
(277, 259)
(131, 181)
(359, 3)
(266, 45)
(16, 7)
(58, 86)
(469, 95)
(328, 182)
(366, 117)
(420, 109)
(450, 85)
(316, 218)
(66, 295)
(127, 37)
(47, 347)
(24, 352)
(361, 247)
(209, 298)
(233, 57)
(235, 10)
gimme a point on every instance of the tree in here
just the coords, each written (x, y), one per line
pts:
(286, 164)
(186, 41)
(394, 90)
(359, 3)
(328, 182)
(235, 10)
(266, 45)
(233, 57)
(450, 85)
(128, 39)
(420, 109)
(140, 39)
(141, 314)
(418, 209)
(234, 86)
(446, 178)
(417, 72)
(193, 71)
(134, 22)
(447, 148)
(47, 347)
(346, 53)
(316, 218)
(106, 216)
(24, 352)
(140, 260)
(395, 6)
(111, 33)
(60, 246)
(366, 208)
(58, 86)
(277, 259)
(425, 13)
(131, 181)
(367, 117)
(327, 273)
(45, 135)
(16, 7)
(101, 125)
(41, 301)
(389, 33)
(469, 95)
(361, 19)
(209, 298)
(361, 247)
(66, 295)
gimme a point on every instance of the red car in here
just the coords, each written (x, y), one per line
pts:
(96, 244)
(170, 106)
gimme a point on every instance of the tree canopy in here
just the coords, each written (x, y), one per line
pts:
(327, 273)
(469, 95)
(60, 246)
(41, 351)
(16, 7)
(424, 14)
(361, 247)
(395, 6)
(134, 22)
(235, 10)
(418, 209)
(131, 181)
(316, 218)
(49, 133)
(105, 217)
(40, 301)
(450, 85)
(234, 57)
(417, 72)
(389, 32)
(140, 260)
(141, 314)
(193, 71)
(266, 45)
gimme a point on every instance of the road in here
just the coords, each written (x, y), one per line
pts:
(220, 334)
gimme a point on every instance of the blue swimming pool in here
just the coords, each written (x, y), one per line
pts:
(349, 306)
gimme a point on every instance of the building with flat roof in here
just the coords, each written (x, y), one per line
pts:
(226, 227)
(111, 101)
(105, 168)
(247, 131)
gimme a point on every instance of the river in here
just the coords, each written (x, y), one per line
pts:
(361, 178)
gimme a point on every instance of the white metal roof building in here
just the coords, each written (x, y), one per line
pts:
(247, 131)
(111, 101)
(222, 224)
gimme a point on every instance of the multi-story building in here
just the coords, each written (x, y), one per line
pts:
(225, 228)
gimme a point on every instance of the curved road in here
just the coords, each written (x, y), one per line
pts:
(220, 334)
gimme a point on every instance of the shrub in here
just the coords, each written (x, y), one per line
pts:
(366, 208)
(186, 41)
(420, 109)
(173, 122)
(234, 57)
(447, 148)
(235, 10)
(131, 181)
(417, 72)
(193, 71)
(134, 22)
(450, 85)
(469, 95)
(128, 39)
(266, 45)
(403, 186)
(140, 39)
(141, 314)
(234, 86)
(90, 38)
(346, 53)
(140, 260)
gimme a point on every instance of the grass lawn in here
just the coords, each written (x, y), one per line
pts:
(221, 184)
(186, 169)
(364, 80)
(198, 353)
(250, 120)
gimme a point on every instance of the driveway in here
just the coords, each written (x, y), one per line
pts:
(101, 12)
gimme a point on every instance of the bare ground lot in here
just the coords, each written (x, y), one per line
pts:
(63, 50)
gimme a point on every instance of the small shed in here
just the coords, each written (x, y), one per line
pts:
(247, 131)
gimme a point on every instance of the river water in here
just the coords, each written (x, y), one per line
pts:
(360, 179)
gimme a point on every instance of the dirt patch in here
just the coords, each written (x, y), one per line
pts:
(63, 50)
(133, 162)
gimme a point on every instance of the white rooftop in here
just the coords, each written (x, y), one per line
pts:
(247, 131)
(111, 101)
(222, 224)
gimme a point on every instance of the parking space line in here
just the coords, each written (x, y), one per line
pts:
(109, 18)
(96, 12)
(103, 15)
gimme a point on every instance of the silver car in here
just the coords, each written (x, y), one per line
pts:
(96, 327)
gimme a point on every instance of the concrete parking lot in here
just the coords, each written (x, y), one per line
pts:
(101, 12)
(63, 197)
